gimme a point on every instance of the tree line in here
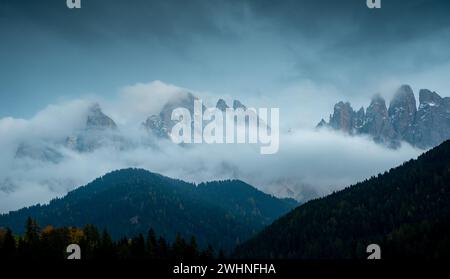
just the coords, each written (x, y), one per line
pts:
(51, 243)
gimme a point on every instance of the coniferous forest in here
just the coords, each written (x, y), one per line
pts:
(406, 211)
(51, 243)
(130, 201)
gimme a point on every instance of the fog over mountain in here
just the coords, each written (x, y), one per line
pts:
(68, 144)
(81, 89)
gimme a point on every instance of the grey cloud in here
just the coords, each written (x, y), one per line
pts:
(309, 162)
(243, 47)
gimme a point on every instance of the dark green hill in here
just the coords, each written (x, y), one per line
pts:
(406, 211)
(131, 201)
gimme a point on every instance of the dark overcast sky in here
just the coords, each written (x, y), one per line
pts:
(238, 47)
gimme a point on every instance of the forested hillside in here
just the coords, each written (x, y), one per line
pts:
(131, 201)
(406, 211)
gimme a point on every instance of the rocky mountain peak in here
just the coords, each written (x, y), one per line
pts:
(222, 105)
(425, 127)
(237, 104)
(377, 122)
(96, 119)
(162, 123)
(377, 103)
(377, 110)
(359, 119)
(433, 119)
(100, 130)
(402, 110)
(322, 124)
(342, 117)
(155, 125)
(342, 106)
(426, 97)
(404, 97)
(185, 101)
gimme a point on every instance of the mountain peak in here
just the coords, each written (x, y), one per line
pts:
(377, 99)
(96, 119)
(322, 124)
(341, 105)
(222, 105)
(423, 127)
(342, 117)
(403, 94)
(428, 97)
(377, 107)
(155, 125)
(237, 104)
(402, 111)
(405, 88)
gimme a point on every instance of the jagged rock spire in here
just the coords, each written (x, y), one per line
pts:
(96, 119)
(425, 127)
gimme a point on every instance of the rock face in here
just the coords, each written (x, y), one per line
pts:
(160, 125)
(238, 105)
(359, 119)
(100, 130)
(402, 111)
(377, 122)
(425, 127)
(433, 119)
(97, 120)
(342, 118)
(222, 105)
(155, 125)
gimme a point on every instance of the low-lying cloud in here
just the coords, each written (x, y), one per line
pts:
(309, 163)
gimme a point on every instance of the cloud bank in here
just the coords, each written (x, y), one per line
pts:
(309, 163)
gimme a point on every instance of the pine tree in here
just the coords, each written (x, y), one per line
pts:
(90, 241)
(30, 245)
(32, 231)
(138, 247)
(162, 250)
(179, 248)
(221, 254)
(123, 248)
(8, 246)
(151, 244)
(106, 248)
(208, 253)
(191, 251)
(51, 243)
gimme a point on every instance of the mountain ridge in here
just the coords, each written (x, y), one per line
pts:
(131, 201)
(423, 127)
